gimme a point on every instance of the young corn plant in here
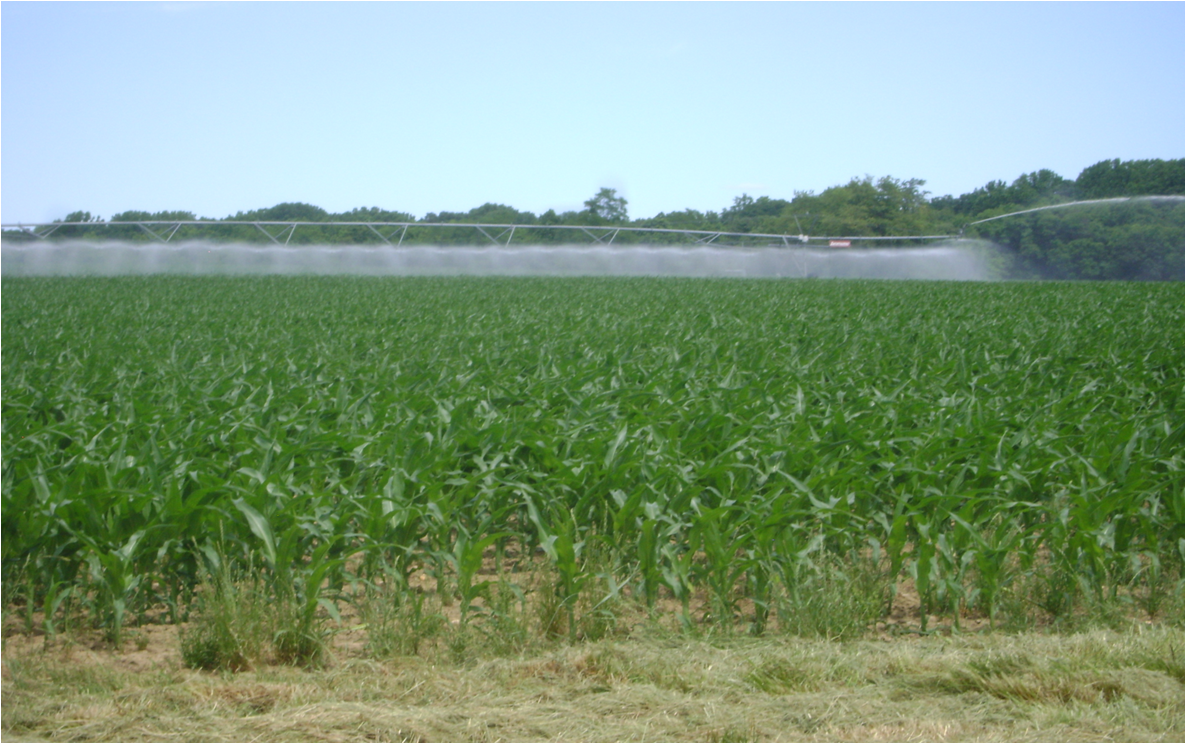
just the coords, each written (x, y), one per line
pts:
(301, 639)
(297, 586)
(466, 559)
(114, 574)
(557, 537)
(722, 568)
(1004, 448)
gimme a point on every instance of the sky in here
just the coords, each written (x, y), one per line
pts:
(216, 108)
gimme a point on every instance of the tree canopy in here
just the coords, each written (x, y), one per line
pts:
(607, 206)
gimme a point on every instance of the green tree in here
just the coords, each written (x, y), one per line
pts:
(607, 206)
(1110, 178)
(372, 214)
(862, 207)
(1041, 187)
(166, 216)
(500, 214)
(1131, 241)
(286, 212)
(74, 232)
(753, 215)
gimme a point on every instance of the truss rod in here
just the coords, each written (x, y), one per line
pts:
(275, 238)
(591, 235)
(492, 240)
(150, 232)
(382, 237)
(33, 231)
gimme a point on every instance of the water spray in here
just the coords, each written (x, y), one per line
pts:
(1075, 204)
(960, 260)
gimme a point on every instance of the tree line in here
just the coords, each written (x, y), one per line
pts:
(1140, 240)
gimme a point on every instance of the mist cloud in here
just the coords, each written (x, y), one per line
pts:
(960, 260)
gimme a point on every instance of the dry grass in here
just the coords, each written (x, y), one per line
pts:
(653, 686)
(410, 671)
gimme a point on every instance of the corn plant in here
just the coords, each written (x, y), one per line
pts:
(1000, 445)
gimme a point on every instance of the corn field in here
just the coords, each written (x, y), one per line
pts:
(656, 439)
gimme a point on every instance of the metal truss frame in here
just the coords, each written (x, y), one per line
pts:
(278, 231)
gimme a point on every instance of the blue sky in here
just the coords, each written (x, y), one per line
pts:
(219, 107)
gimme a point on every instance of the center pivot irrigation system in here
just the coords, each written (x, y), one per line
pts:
(281, 232)
(394, 233)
